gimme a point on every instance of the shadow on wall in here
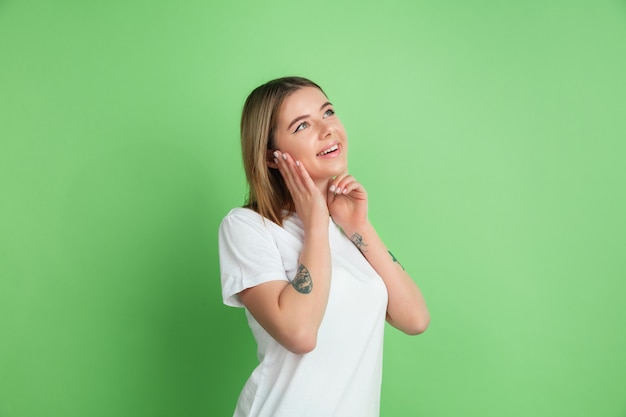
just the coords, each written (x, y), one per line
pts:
(150, 333)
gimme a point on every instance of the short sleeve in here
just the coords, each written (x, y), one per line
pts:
(248, 254)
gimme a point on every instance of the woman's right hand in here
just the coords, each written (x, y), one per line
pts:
(309, 201)
(289, 314)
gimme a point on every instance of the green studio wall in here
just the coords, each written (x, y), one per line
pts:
(489, 134)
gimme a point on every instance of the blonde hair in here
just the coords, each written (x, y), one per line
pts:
(268, 194)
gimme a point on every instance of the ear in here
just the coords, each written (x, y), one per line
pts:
(269, 157)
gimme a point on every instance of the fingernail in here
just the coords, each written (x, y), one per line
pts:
(285, 156)
(297, 163)
(276, 154)
(338, 191)
(331, 188)
(275, 160)
(345, 191)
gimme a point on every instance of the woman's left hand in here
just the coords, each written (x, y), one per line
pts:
(347, 202)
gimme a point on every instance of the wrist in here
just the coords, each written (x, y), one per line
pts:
(363, 229)
(316, 230)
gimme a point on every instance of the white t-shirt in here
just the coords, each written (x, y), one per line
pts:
(342, 375)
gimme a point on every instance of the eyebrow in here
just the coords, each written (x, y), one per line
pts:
(297, 119)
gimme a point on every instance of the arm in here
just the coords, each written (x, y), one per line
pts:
(406, 308)
(292, 312)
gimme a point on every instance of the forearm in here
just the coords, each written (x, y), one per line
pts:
(406, 309)
(302, 304)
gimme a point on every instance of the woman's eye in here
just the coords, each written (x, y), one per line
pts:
(301, 126)
(329, 113)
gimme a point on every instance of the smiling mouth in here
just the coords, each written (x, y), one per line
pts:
(329, 150)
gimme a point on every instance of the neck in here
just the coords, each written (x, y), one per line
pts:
(323, 185)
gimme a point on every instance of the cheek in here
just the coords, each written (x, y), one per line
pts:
(341, 130)
(280, 143)
(289, 146)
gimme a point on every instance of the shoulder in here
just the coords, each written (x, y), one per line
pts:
(242, 222)
(242, 212)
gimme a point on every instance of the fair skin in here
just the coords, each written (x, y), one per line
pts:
(311, 155)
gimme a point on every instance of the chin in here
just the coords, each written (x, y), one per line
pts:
(325, 171)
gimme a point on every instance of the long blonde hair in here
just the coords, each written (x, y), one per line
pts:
(268, 194)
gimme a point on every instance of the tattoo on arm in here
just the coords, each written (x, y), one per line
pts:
(302, 281)
(357, 239)
(395, 260)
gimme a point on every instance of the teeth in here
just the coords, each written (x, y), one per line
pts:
(329, 150)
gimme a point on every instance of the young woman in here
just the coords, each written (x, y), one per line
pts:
(316, 281)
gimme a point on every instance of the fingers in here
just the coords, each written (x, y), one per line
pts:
(295, 174)
(344, 184)
(288, 173)
(330, 191)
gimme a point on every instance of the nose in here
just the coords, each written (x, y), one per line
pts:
(328, 131)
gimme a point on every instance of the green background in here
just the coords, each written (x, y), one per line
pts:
(489, 135)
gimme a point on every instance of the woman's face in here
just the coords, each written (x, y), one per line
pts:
(311, 133)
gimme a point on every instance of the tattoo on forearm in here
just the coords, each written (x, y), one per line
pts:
(357, 239)
(302, 281)
(395, 260)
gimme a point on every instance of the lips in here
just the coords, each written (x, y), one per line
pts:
(332, 148)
